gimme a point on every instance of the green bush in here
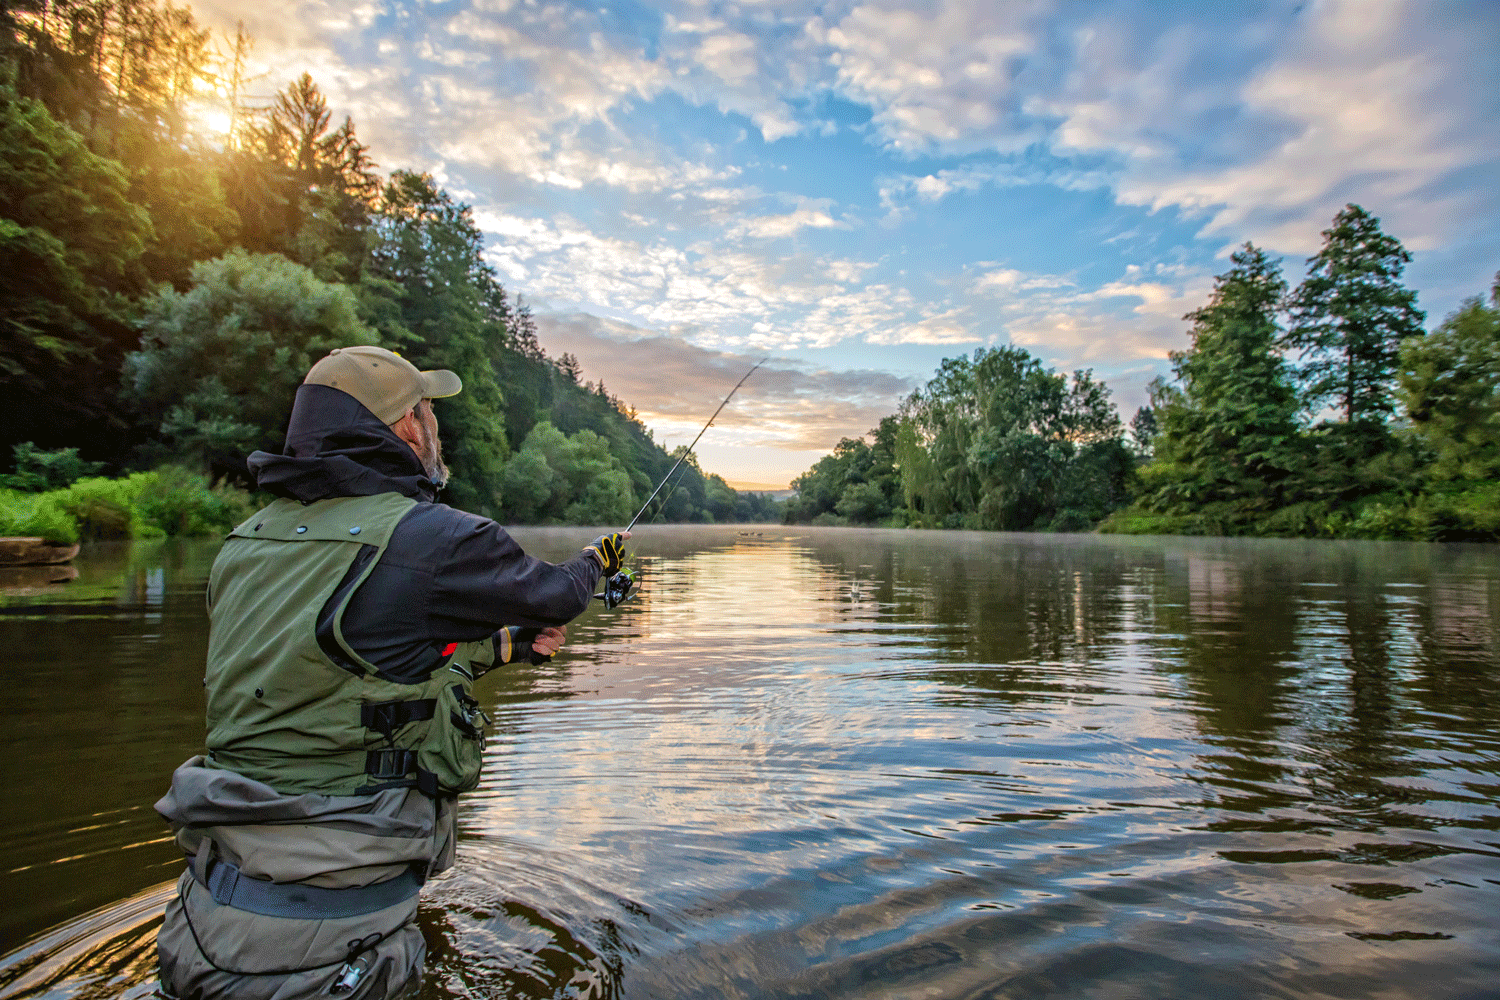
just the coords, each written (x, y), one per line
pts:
(27, 515)
(178, 501)
(164, 502)
(105, 508)
(1136, 522)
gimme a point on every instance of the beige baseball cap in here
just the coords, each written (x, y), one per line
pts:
(386, 383)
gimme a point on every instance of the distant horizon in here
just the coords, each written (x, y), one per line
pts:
(680, 189)
(744, 487)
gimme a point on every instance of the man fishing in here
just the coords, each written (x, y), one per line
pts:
(348, 622)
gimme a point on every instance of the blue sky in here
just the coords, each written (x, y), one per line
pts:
(859, 190)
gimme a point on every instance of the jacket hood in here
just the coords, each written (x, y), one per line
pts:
(337, 448)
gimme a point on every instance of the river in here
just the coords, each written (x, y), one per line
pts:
(847, 763)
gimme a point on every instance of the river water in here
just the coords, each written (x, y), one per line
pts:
(844, 763)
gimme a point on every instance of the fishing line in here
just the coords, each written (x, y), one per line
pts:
(617, 589)
(690, 447)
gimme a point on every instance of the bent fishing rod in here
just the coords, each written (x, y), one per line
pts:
(617, 589)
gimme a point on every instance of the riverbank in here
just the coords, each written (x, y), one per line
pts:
(166, 502)
(1447, 512)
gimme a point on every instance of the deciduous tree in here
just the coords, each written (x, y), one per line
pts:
(220, 363)
(1450, 387)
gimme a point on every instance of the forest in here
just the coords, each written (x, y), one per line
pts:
(169, 279)
(1324, 411)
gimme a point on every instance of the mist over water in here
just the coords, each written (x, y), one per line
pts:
(843, 763)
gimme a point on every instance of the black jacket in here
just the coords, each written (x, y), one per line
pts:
(446, 576)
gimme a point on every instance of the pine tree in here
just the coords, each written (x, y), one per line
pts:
(1230, 432)
(1350, 316)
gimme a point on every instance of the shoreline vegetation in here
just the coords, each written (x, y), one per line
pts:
(169, 283)
(1324, 411)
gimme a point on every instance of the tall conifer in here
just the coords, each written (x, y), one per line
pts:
(1350, 316)
(1230, 432)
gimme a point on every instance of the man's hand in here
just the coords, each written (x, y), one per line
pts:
(609, 550)
(536, 645)
(547, 642)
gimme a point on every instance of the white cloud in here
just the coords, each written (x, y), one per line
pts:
(675, 385)
(771, 227)
(1135, 318)
(936, 76)
(711, 293)
(1010, 280)
(1359, 102)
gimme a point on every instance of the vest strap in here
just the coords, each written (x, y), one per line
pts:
(385, 717)
(229, 887)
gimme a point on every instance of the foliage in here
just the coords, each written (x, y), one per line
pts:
(856, 482)
(1229, 430)
(36, 515)
(438, 302)
(168, 501)
(555, 478)
(1001, 443)
(1450, 388)
(1143, 430)
(994, 441)
(220, 362)
(1350, 315)
(71, 239)
(105, 509)
(182, 501)
(38, 471)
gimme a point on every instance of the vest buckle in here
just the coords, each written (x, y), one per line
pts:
(390, 765)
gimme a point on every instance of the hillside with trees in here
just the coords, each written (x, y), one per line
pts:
(1323, 410)
(168, 285)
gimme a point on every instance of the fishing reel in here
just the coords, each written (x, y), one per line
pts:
(618, 589)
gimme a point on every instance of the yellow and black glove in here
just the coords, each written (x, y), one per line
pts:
(609, 550)
(519, 645)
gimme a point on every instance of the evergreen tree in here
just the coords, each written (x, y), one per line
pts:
(303, 188)
(72, 240)
(1143, 431)
(439, 304)
(1350, 315)
(1232, 431)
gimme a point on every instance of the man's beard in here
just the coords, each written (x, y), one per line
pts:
(431, 451)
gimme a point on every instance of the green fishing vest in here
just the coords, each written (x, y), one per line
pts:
(289, 702)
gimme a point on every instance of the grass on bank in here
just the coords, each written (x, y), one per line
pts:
(1446, 512)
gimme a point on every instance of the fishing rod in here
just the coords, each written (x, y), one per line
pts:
(617, 588)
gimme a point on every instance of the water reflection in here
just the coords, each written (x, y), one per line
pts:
(859, 763)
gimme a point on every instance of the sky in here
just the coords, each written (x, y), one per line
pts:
(859, 190)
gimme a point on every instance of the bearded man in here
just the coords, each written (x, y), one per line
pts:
(348, 622)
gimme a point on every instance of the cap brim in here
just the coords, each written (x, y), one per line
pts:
(440, 383)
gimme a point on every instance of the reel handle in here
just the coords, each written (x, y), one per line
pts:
(618, 589)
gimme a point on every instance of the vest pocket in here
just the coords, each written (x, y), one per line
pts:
(454, 748)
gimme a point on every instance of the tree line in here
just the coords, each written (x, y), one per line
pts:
(167, 286)
(1321, 411)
